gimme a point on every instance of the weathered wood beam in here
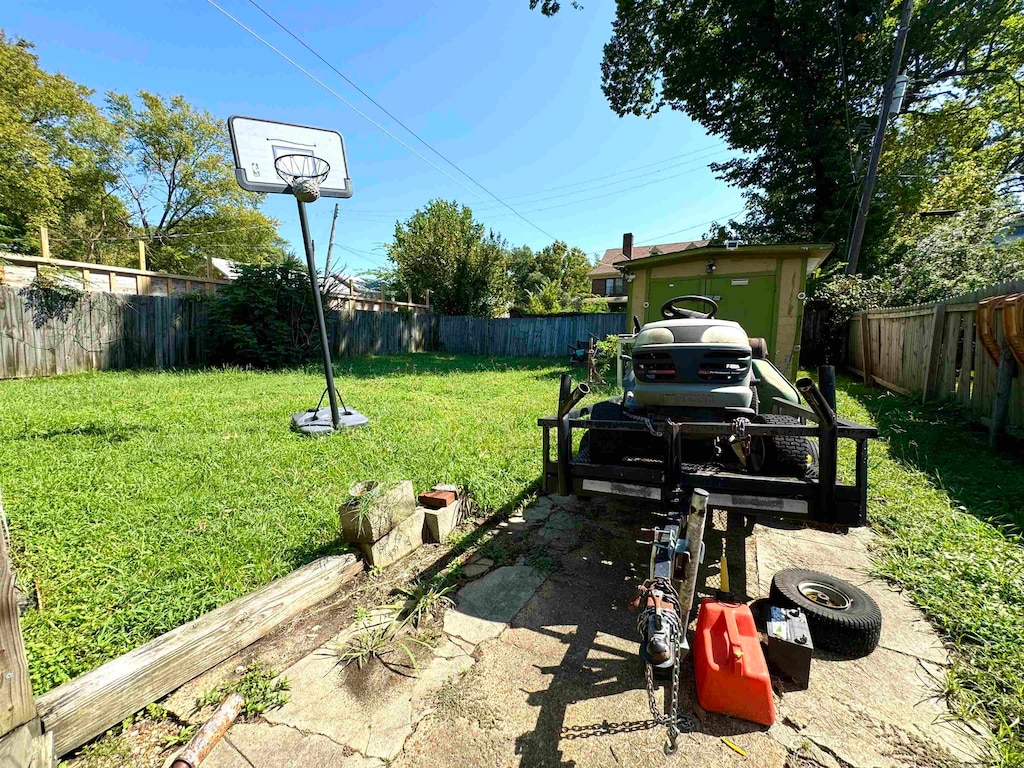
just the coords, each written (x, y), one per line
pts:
(85, 707)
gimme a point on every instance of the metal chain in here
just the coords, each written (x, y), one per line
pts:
(645, 421)
(671, 719)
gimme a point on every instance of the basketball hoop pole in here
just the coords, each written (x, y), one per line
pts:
(319, 307)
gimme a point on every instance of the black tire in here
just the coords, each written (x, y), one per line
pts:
(792, 456)
(604, 447)
(850, 632)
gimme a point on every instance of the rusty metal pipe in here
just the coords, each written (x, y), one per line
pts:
(828, 446)
(206, 738)
(567, 398)
(816, 401)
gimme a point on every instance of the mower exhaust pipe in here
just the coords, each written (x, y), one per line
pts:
(567, 399)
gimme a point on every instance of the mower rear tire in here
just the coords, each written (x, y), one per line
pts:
(843, 619)
(788, 455)
(604, 447)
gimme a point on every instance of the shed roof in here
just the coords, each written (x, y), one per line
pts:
(613, 260)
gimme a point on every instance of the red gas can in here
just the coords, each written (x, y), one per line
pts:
(732, 675)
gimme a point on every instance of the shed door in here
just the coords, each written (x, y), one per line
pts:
(750, 301)
(665, 288)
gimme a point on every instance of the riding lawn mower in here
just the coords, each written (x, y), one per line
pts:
(705, 422)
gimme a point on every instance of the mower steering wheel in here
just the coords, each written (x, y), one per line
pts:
(670, 311)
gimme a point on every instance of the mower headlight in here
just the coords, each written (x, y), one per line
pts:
(724, 334)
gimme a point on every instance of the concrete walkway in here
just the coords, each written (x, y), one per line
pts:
(537, 667)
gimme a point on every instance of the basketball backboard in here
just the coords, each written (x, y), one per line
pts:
(258, 143)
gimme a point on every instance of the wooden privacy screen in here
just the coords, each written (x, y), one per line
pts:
(1013, 325)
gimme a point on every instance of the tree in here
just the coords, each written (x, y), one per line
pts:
(443, 249)
(51, 141)
(173, 168)
(553, 279)
(794, 86)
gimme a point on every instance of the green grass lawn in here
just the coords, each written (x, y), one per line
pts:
(950, 513)
(138, 501)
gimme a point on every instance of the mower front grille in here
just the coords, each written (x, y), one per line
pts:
(724, 366)
(654, 366)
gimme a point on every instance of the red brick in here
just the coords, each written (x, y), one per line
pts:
(437, 499)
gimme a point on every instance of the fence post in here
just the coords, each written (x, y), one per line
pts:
(44, 240)
(428, 299)
(142, 255)
(22, 742)
(865, 346)
(932, 348)
(1004, 386)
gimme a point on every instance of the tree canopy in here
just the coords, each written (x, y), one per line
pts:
(795, 86)
(151, 167)
(553, 279)
(442, 248)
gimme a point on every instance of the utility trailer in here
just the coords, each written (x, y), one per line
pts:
(670, 480)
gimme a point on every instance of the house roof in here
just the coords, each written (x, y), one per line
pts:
(604, 267)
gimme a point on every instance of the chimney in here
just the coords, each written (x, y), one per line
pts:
(627, 245)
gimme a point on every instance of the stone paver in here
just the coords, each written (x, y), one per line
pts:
(539, 669)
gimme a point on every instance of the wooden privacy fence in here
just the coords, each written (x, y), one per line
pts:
(524, 336)
(109, 332)
(102, 332)
(942, 350)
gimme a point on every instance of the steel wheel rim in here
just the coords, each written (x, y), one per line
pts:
(825, 595)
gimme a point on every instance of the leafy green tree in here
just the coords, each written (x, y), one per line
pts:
(173, 168)
(443, 249)
(51, 141)
(794, 87)
(553, 279)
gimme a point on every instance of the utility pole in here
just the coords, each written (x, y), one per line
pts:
(330, 247)
(876, 148)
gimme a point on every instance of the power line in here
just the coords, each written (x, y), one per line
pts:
(369, 119)
(687, 229)
(381, 216)
(609, 194)
(620, 181)
(603, 178)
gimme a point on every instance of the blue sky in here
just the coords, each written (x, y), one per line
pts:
(512, 97)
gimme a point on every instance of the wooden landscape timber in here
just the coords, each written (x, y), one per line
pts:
(967, 349)
(85, 707)
(22, 741)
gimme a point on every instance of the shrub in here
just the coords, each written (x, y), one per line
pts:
(604, 359)
(837, 297)
(264, 318)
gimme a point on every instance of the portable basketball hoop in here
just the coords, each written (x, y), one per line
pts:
(299, 156)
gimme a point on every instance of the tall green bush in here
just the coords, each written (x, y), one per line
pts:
(264, 318)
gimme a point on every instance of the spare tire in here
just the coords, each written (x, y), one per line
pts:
(789, 455)
(842, 618)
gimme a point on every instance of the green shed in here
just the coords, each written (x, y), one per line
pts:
(762, 287)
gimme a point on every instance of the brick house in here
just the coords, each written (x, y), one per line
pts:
(607, 281)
